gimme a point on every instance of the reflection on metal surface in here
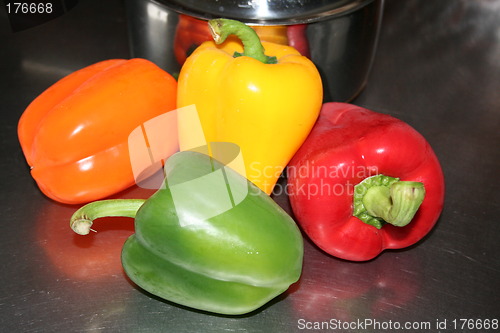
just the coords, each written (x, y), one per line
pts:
(93, 258)
(268, 11)
(336, 289)
(155, 13)
(35, 67)
(341, 36)
(263, 9)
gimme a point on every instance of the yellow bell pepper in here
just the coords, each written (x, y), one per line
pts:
(265, 103)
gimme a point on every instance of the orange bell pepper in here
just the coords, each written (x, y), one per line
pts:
(74, 135)
(272, 33)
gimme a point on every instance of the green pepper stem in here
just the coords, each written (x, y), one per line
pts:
(82, 219)
(252, 47)
(380, 199)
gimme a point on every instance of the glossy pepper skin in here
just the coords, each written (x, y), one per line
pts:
(190, 248)
(74, 135)
(267, 109)
(348, 146)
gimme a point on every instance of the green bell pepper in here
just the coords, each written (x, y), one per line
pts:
(208, 239)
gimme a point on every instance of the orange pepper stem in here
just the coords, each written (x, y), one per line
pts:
(82, 219)
(252, 47)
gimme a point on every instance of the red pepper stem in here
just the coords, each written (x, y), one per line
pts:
(82, 219)
(223, 28)
(382, 199)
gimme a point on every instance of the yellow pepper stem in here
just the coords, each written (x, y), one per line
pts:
(252, 47)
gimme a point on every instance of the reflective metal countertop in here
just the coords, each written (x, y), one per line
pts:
(437, 68)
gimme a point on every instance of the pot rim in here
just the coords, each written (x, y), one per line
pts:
(332, 10)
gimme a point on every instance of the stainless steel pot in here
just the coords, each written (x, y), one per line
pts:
(341, 35)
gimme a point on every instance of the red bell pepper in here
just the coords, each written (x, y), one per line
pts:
(189, 34)
(297, 38)
(363, 182)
